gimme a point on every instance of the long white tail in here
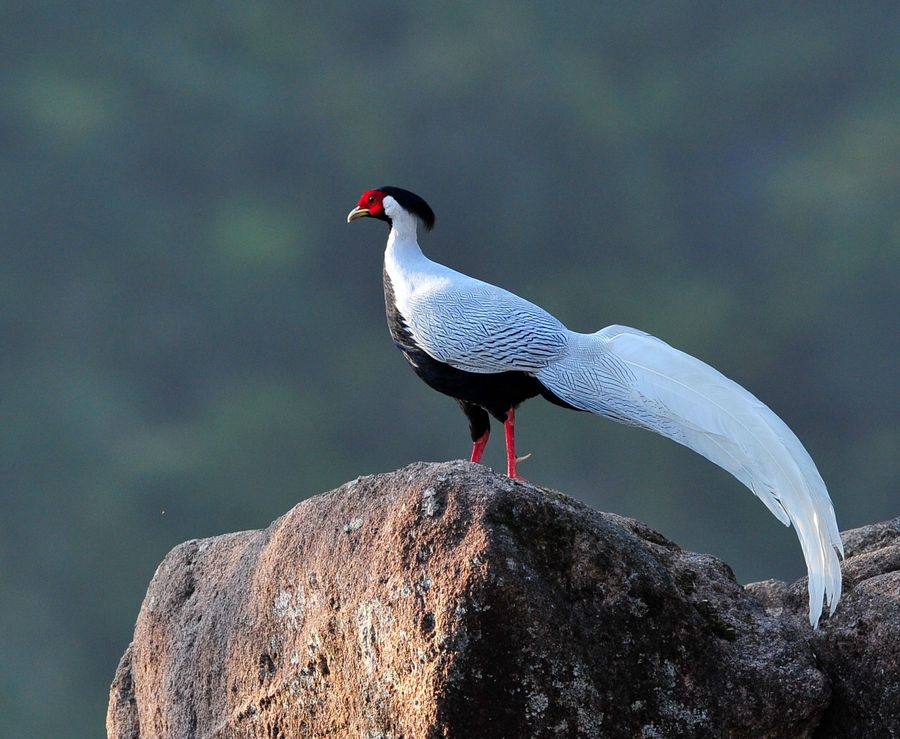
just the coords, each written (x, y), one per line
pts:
(635, 378)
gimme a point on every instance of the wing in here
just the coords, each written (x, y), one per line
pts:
(640, 380)
(478, 327)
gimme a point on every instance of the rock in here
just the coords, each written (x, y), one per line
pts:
(443, 600)
(123, 714)
(859, 646)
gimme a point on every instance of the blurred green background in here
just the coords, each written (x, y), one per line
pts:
(193, 339)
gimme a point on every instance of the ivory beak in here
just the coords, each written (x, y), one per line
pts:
(357, 213)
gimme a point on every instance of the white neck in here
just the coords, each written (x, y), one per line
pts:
(410, 271)
(403, 223)
(402, 244)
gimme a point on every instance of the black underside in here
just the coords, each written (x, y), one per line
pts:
(479, 394)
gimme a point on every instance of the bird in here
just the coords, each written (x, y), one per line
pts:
(491, 350)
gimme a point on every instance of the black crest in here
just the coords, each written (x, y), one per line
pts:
(412, 203)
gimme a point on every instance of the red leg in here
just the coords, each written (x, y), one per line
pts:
(478, 447)
(509, 426)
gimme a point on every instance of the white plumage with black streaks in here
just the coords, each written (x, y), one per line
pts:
(633, 377)
(466, 323)
(621, 373)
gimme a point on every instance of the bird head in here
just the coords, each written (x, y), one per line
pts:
(388, 203)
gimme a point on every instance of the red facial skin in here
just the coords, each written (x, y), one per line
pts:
(373, 202)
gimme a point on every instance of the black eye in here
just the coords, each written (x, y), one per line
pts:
(371, 198)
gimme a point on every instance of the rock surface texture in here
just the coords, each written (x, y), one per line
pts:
(443, 600)
(858, 647)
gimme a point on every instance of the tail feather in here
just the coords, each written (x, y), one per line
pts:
(635, 378)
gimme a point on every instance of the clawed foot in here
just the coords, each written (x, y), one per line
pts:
(513, 474)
